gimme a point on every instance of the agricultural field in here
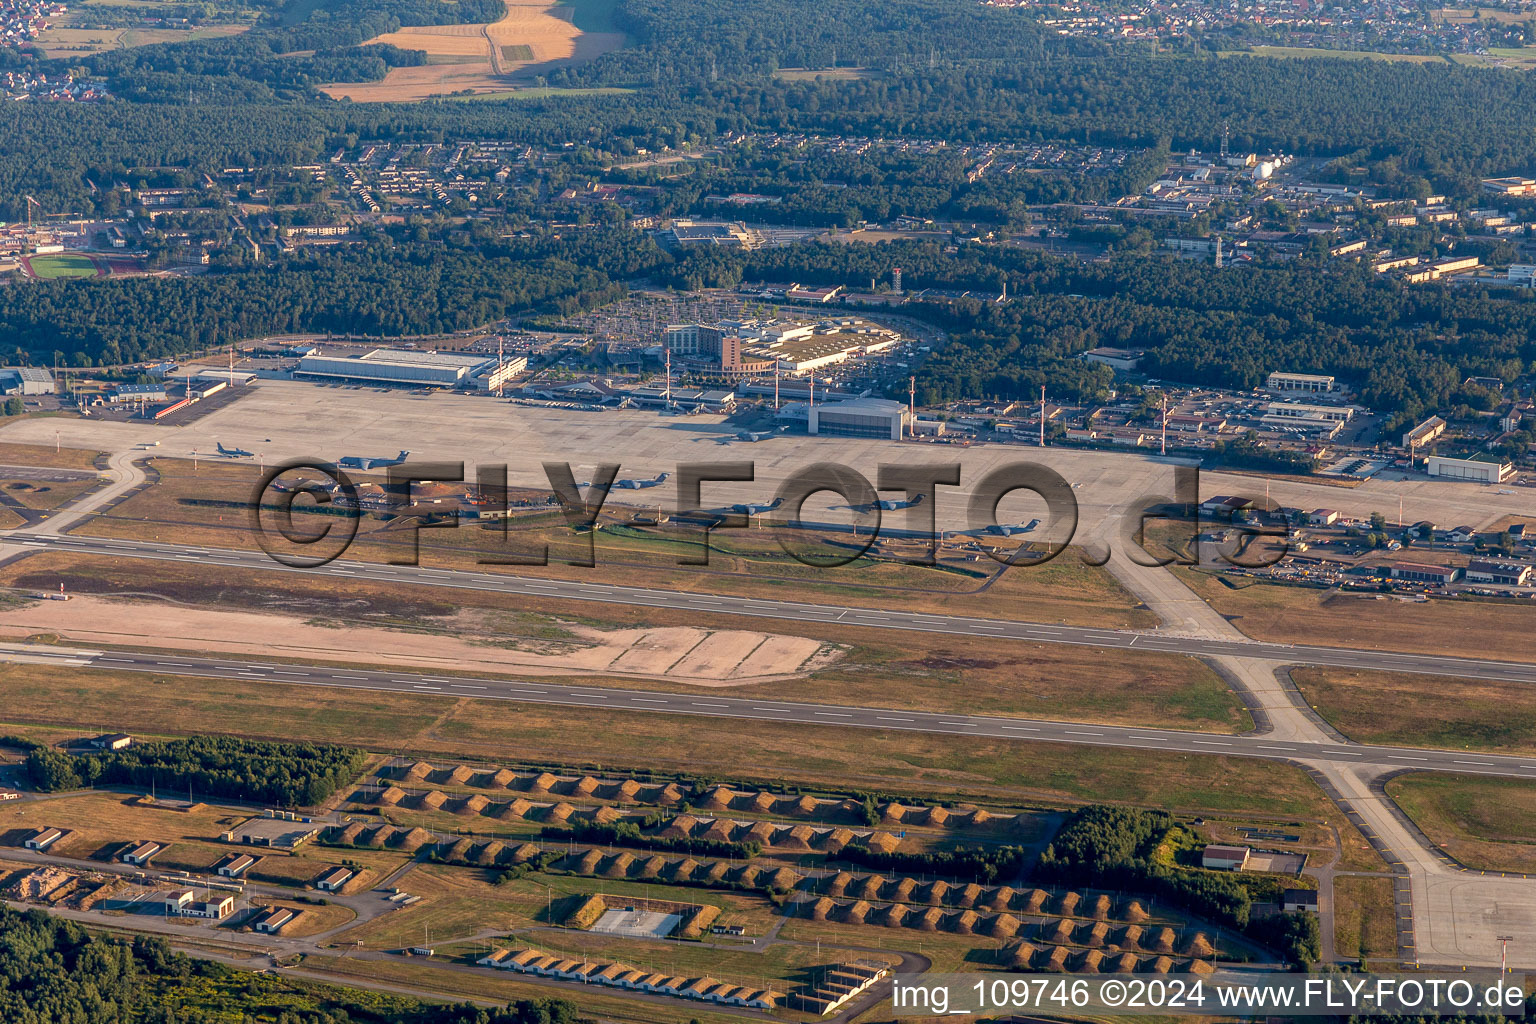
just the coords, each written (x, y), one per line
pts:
(65, 41)
(482, 58)
(1517, 59)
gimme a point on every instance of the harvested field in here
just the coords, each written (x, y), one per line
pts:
(480, 58)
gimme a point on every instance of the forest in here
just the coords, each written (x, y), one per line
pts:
(54, 971)
(412, 288)
(931, 68)
(283, 774)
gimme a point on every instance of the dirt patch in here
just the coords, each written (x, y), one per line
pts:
(943, 662)
(703, 656)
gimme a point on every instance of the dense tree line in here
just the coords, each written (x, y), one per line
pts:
(55, 972)
(983, 865)
(1117, 848)
(413, 288)
(286, 774)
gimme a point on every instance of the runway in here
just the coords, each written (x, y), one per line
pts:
(800, 611)
(763, 710)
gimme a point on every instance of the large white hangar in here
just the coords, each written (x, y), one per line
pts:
(423, 369)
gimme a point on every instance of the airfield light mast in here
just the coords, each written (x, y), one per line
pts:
(1165, 424)
(912, 403)
(1042, 415)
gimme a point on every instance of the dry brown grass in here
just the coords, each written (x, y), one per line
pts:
(45, 495)
(1399, 709)
(1288, 614)
(101, 819)
(416, 975)
(945, 767)
(880, 668)
(1485, 823)
(1364, 916)
(12, 454)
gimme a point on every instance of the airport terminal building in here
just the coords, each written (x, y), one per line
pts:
(415, 369)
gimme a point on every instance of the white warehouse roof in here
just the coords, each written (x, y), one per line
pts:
(397, 365)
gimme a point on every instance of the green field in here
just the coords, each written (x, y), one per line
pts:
(64, 264)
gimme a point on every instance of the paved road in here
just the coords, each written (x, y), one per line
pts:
(711, 705)
(568, 590)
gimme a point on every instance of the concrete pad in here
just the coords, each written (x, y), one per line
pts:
(637, 924)
(306, 420)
